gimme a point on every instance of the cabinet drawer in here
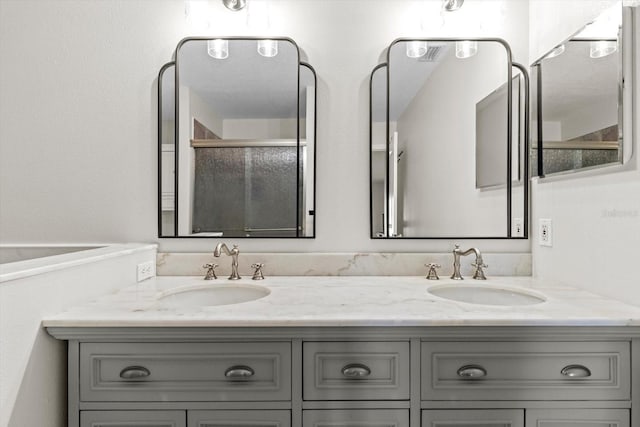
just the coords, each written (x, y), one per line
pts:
(356, 370)
(578, 417)
(185, 372)
(470, 417)
(244, 418)
(356, 418)
(525, 370)
(132, 418)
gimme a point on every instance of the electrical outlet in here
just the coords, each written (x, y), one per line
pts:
(518, 227)
(146, 270)
(545, 232)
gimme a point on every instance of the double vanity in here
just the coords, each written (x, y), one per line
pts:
(351, 351)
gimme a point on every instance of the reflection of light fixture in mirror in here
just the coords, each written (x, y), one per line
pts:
(557, 51)
(234, 4)
(416, 49)
(602, 48)
(466, 49)
(452, 5)
(268, 48)
(218, 48)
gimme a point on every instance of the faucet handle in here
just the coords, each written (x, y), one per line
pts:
(479, 273)
(257, 275)
(432, 274)
(211, 273)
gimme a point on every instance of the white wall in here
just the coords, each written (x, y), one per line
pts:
(73, 68)
(261, 128)
(32, 363)
(596, 219)
(437, 132)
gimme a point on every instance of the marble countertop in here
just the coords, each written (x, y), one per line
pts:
(347, 301)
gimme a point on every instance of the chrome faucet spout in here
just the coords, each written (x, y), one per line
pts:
(479, 264)
(233, 253)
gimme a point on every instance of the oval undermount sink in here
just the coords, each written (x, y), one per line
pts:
(486, 295)
(211, 295)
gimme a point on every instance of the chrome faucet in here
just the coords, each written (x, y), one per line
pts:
(233, 253)
(479, 264)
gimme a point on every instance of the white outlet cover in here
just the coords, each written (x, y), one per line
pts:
(545, 232)
(518, 227)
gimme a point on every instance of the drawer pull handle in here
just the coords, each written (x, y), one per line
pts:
(576, 371)
(134, 372)
(239, 372)
(356, 370)
(472, 371)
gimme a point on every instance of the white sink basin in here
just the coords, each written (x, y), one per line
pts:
(210, 295)
(486, 295)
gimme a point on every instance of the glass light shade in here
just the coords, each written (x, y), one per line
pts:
(268, 48)
(218, 48)
(466, 49)
(602, 48)
(416, 49)
(559, 50)
(452, 5)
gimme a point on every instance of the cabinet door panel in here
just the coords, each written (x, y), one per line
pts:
(356, 418)
(578, 418)
(132, 419)
(244, 418)
(473, 418)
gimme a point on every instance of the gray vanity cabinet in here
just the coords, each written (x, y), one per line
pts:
(578, 418)
(133, 419)
(473, 418)
(353, 377)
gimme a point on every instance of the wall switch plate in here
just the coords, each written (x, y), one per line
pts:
(545, 232)
(518, 227)
(146, 270)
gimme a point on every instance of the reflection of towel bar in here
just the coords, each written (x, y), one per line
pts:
(242, 143)
(249, 230)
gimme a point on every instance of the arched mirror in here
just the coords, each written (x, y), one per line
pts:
(237, 140)
(448, 141)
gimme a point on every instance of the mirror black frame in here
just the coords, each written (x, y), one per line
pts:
(174, 63)
(509, 185)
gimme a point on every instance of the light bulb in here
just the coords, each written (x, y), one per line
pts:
(268, 48)
(416, 49)
(218, 48)
(466, 49)
(602, 48)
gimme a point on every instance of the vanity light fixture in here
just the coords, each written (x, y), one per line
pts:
(268, 48)
(452, 5)
(234, 5)
(466, 49)
(602, 48)
(218, 48)
(416, 49)
(559, 50)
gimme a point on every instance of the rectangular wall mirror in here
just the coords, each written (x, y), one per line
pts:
(237, 137)
(448, 141)
(579, 99)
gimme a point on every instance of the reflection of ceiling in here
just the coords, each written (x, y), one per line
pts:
(574, 79)
(245, 85)
(407, 78)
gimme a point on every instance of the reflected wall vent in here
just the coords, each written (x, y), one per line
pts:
(432, 55)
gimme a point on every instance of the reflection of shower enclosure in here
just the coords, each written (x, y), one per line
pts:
(263, 171)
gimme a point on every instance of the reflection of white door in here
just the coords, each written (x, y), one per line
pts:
(393, 186)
